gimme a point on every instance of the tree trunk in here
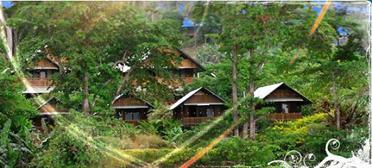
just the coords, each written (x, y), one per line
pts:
(335, 101)
(234, 88)
(252, 124)
(245, 130)
(124, 78)
(123, 81)
(252, 114)
(86, 107)
(338, 116)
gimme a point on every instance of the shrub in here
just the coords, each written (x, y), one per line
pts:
(67, 150)
(81, 141)
(307, 110)
(148, 155)
(309, 135)
(233, 151)
(15, 151)
(179, 158)
(148, 141)
(170, 130)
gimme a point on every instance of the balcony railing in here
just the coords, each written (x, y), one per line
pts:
(39, 81)
(284, 116)
(194, 120)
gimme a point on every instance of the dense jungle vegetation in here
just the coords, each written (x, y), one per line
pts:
(245, 46)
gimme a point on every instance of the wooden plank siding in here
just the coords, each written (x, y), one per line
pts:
(39, 81)
(283, 92)
(202, 97)
(187, 64)
(129, 101)
(45, 63)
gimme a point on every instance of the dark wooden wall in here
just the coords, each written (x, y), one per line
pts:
(143, 112)
(186, 111)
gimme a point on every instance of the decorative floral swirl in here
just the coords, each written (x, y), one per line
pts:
(294, 159)
(310, 157)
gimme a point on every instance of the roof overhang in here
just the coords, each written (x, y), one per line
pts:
(130, 107)
(202, 104)
(52, 113)
(43, 68)
(285, 100)
(36, 90)
(180, 67)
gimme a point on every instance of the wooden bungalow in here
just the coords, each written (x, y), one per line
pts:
(286, 101)
(47, 110)
(197, 106)
(39, 80)
(131, 109)
(189, 68)
(186, 69)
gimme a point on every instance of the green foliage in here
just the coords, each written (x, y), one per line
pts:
(13, 105)
(170, 130)
(148, 155)
(92, 37)
(179, 158)
(307, 110)
(66, 150)
(78, 141)
(308, 135)
(159, 112)
(248, 102)
(236, 151)
(209, 54)
(15, 150)
(220, 84)
(15, 114)
(266, 38)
